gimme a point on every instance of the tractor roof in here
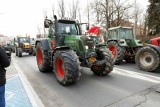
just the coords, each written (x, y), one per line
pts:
(119, 27)
(70, 20)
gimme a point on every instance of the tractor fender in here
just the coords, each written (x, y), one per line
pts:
(45, 43)
(61, 48)
(121, 42)
(154, 47)
(112, 40)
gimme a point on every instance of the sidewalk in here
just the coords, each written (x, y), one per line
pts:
(19, 92)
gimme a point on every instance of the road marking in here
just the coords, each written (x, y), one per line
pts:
(10, 77)
(33, 97)
(9, 95)
(137, 75)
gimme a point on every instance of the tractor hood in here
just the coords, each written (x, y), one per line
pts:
(25, 43)
(81, 43)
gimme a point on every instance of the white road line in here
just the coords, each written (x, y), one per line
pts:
(33, 97)
(137, 75)
(11, 77)
(9, 95)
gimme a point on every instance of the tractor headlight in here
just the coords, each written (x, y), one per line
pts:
(86, 47)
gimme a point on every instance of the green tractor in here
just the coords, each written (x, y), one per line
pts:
(122, 44)
(65, 50)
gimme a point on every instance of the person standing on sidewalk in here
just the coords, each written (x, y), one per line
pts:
(4, 62)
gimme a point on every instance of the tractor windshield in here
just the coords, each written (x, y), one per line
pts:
(68, 28)
(126, 34)
(24, 40)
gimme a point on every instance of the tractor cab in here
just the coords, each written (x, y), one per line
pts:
(58, 29)
(68, 27)
(120, 33)
(124, 35)
(22, 42)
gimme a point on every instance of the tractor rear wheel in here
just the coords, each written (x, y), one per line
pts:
(117, 51)
(43, 60)
(105, 68)
(147, 59)
(66, 66)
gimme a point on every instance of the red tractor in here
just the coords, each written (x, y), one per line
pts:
(148, 57)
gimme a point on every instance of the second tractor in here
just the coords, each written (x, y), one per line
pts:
(122, 43)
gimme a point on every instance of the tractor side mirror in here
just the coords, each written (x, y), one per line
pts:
(46, 23)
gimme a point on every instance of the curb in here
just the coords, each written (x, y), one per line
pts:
(32, 95)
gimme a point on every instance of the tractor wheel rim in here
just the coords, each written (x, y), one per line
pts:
(114, 51)
(40, 58)
(146, 59)
(59, 67)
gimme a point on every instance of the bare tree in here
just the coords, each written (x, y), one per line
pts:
(53, 12)
(111, 12)
(61, 9)
(103, 11)
(88, 13)
(96, 10)
(73, 9)
(121, 7)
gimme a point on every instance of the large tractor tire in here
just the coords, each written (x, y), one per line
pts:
(107, 67)
(66, 66)
(117, 51)
(147, 59)
(43, 60)
(19, 51)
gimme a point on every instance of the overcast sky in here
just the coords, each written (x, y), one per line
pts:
(21, 17)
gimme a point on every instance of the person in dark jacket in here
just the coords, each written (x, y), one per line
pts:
(4, 62)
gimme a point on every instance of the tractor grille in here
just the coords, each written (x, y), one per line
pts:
(26, 46)
(87, 41)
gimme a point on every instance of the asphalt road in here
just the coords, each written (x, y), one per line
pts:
(125, 82)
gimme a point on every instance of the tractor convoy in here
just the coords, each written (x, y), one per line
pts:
(65, 50)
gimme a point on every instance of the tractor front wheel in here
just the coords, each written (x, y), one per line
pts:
(43, 60)
(107, 67)
(19, 52)
(66, 66)
(147, 59)
(117, 51)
